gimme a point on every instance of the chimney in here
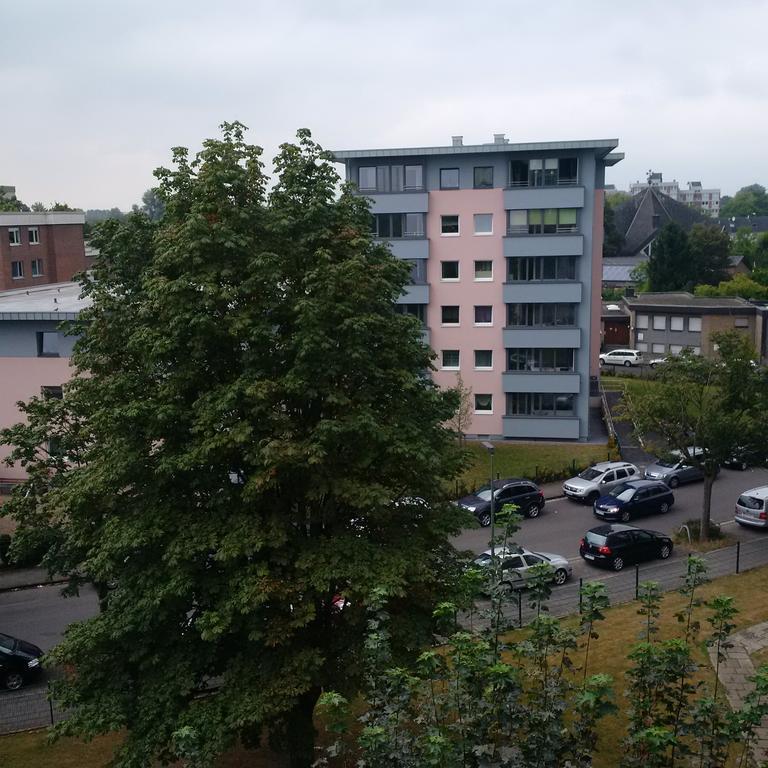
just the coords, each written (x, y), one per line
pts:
(499, 138)
(457, 141)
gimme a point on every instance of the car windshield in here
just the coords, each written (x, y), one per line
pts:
(750, 502)
(7, 642)
(623, 492)
(483, 559)
(667, 463)
(484, 493)
(590, 474)
(596, 539)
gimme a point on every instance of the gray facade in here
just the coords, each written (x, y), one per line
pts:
(19, 338)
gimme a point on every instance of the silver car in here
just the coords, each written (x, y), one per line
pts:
(597, 480)
(751, 508)
(674, 470)
(516, 564)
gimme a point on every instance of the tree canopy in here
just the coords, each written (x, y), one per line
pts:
(748, 201)
(248, 449)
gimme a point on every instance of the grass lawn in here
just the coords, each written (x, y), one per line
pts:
(545, 461)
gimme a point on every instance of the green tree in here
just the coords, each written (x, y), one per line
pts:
(462, 418)
(716, 406)
(57, 206)
(741, 285)
(748, 201)
(669, 266)
(613, 240)
(743, 243)
(709, 251)
(12, 204)
(248, 449)
(152, 204)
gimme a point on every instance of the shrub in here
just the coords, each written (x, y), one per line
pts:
(5, 545)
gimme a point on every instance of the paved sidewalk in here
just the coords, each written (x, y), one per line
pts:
(17, 578)
(734, 674)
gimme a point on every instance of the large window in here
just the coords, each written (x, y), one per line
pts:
(398, 225)
(47, 344)
(539, 404)
(543, 172)
(483, 270)
(484, 315)
(17, 270)
(14, 236)
(483, 403)
(449, 178)
(449, 270)
(541, 268)
(676, 323)
(449, 225)
(34, 235)
(544, 315)
(390, 178)
(483, 177)
(540, 359)
(483, 223)
(37, 267)
(694, 324)
(484, 359)
(449, 315)
(547, 221)
(418, 270)
(659, 322)
(450, 359)
(414, 310)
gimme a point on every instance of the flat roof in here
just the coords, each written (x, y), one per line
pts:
(55, 301)
(31, 218)
(688, 300)
(602, 146)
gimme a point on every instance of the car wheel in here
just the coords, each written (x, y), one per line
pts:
(625, 516)
(627, 363)
(665, 551)
(743, 466)
(651, 365)
(618, 563)
(533, 511)
(13, 681)
(560, 577)
(602, 362)
(484, 519)
(664, 507)
(592, 498)
(674, 482)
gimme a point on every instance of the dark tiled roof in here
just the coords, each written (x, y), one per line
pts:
(735, 223)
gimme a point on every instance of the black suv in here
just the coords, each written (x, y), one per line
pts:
(514, 490)
(634, 498)
(19, 662)
(617, 545)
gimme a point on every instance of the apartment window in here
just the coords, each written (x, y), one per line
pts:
(694, 324)
(483, 315)
(390, 178)
(47, 344)
(366, 178)
(449, 178)
(540, 359)
(546, 221)
(675, 323)
(539, 404)
(642, 346)
(483, 270)
(659, 322)
(544, 315)
(483, 223)
(741, 322)
(658, 349)
(414, 310)
(450, 359)
(52, 392)
(14, 236)
(543, 172)
(484, 177)
(393, 226)
(449, 225)
(418, 270)
(449, 315)
(37, 267)
(483, 403)
(414, 177)
(33, 234)
(484, 359)
(17, 269)
(675, 349)
(541, 268)
(449, 270)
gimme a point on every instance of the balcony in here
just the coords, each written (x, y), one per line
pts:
(567, 195)
(415, 294)
(399, 202)
(541, 381)
(545, 291)
(534, 337)
(409, 247)
(524, 244)
(556, 427)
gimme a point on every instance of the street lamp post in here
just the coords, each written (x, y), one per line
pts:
(489, 447)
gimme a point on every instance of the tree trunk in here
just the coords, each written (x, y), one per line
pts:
(709, 479)
(295, 737)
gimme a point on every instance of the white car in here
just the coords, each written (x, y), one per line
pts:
(516, 563)
(597, 480)
(625, 357)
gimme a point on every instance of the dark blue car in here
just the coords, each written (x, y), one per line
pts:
(633, 499)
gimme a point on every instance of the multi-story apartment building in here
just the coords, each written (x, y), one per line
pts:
(505, 244)
(703, 200)
(40, 248)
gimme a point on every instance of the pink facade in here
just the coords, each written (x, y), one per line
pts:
(468, 292)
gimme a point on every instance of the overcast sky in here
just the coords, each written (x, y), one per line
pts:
(96, 92)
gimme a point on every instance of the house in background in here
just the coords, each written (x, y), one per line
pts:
(614, 325)
(706, 201)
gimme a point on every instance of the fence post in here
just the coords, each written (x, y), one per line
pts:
(738, 555)
(637, 581)
(50, 708)
(520, 610)
(581, 584)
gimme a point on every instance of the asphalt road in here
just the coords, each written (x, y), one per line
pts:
(563, 522)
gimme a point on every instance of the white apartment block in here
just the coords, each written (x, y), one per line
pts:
(705, 200)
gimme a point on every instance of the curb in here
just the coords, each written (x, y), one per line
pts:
(20, 587)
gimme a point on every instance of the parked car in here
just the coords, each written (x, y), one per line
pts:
(19, 662)
(657, 361)
(751, 508)
(742, 458)
(624, 357)
(633, 499)
(617, 545)
(518, 561)
(515, 490)
(597, 480)
(674, 470)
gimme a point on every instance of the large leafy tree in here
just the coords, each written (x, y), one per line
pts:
(748, 201)
(669, 266)
(709, 251)
(717, 406)
(249, 449)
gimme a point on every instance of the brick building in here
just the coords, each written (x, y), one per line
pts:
(40, 248)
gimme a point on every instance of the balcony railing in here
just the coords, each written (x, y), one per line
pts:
(374, 191)
(565, 182)
(538, 229)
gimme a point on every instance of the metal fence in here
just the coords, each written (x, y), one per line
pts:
(28, 709)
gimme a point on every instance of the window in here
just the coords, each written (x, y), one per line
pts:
(414, 310)
(449, 178)
(484, 177)
(37, 267)
(658, 349)
(484, 359)
(545, 172)
(14, 236)
(47, 344)
(642, 321)
(675, 349)
(52, 392)
(642, 346)
(390, 178)
(483, 403)
(394, 226)
(451, 359)
(694, 324)
(545, 315)
(541, 268)
(741, 322)
(17, 270)
(659, 322)
(418, 271)
(483, 270)
(34, 235)
(546, 221)
(483, 315)
(449, 225)
(483, 223)
(536, 404)
(449, 270)
(540, 359)
(414, 177)
(675, 323)
(366, 178)
(449, 315)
